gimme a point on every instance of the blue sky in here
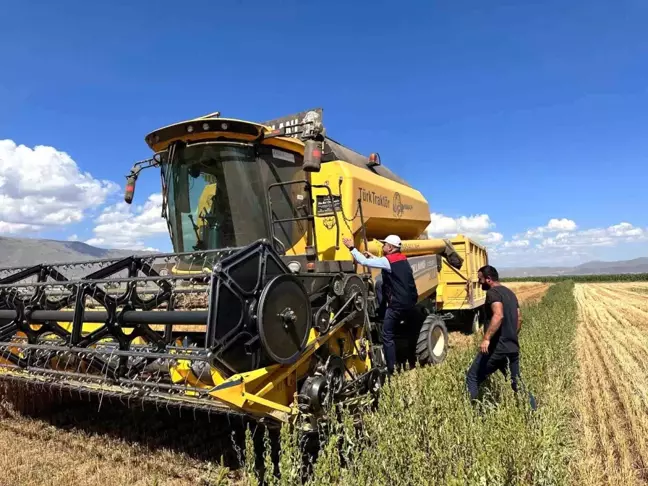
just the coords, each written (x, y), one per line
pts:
(523, 123)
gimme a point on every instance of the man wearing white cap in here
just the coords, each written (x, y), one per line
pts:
(398, 289)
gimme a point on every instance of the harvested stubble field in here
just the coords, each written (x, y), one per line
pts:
(612, 343)
(60, 441)
(584, 353)
(528, 291)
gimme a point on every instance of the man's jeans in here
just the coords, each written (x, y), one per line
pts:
(485, 365)
(382, 302)
(392, 319)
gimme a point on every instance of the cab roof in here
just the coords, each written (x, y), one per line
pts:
(205, 127)
(213, 126)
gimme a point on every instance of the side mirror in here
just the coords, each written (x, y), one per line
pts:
(312, 156)
(158, 158)
(130, 188)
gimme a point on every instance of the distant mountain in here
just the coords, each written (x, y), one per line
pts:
(15, 252)
(636, 265)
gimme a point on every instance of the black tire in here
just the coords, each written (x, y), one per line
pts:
(432, 342)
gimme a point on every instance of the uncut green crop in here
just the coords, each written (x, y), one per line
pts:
(425, 430)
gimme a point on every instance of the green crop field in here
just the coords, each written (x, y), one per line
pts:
(425, 430)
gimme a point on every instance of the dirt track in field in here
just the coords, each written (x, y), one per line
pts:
(612, 399)
(528, 291)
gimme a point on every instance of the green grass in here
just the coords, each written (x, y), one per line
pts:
(624, 277)
(425, 430)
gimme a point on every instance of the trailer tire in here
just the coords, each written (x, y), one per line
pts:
(432, 342)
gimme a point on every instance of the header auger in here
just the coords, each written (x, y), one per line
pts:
(258, 311)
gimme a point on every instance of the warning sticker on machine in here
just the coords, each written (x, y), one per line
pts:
(328, 204)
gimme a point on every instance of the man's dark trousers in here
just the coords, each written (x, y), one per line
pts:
(485, 365)
(382, 302)
(392, 319)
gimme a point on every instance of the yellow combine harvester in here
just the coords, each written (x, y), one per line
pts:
(259, 310)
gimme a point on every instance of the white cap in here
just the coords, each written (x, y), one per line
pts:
(392, 240)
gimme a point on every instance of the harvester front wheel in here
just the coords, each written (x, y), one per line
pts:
(432, 342)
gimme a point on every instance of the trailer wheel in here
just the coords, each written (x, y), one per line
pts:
(432, 343)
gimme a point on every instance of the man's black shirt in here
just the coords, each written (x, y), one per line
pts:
(505, 340)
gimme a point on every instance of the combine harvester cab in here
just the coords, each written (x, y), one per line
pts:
(259, 311)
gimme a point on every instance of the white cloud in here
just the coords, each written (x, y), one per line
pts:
(127, 227)
(42, 187)
(555, 225)
(17, 228)
(73, 238)
(561, 225)
(489, 238)
(559, 242)
(442, 225)
(610, 236)
(517, 244)
(476, 227)
(567, 247)
(626, 230)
